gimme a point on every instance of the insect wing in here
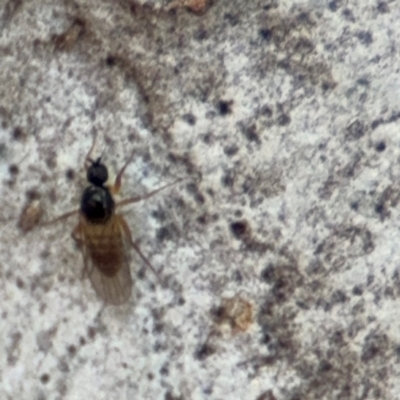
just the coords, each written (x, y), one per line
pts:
(113, 288)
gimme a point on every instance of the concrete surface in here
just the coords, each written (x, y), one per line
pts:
(281, 249)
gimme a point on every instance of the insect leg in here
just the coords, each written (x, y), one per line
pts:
(60, 218)
(118, 180)
(146, 196)
(128, 234)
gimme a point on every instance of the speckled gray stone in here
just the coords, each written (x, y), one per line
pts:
(280, 249)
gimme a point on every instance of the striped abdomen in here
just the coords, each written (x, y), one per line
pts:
(105, 246)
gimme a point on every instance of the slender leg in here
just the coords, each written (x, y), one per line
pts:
(146, 196)
(127, 231)
(118, 180)
(60, 218)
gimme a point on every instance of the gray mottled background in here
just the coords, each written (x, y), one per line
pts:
(281, 247)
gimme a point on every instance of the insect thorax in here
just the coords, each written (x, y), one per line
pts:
(97, 204)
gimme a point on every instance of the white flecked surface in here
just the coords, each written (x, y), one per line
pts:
(281, 247)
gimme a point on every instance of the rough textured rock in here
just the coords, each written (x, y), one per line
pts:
(280, 249)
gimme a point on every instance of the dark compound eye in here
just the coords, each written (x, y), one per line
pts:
(97, 173)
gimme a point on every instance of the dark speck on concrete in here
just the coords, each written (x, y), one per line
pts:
(380, 147)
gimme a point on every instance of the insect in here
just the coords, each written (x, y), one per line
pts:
(103, 236)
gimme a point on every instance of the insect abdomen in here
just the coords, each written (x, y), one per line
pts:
(107, 253)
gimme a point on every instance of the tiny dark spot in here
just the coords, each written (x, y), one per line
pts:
(382, 7)
(200, 35)
(13, 169)
(150, 376)
(203, 351)
(202, 219)
(181, 301)
(338, 296)
(355, 130)
(267, 111)
(265, 33)
(189, 118)
(20, 283)
(200, 198)
(51, 161)
(132, 137)
(238, 228)
(228, 180)
(381, 146)
(334, 5)
(163, 234)
(324, 366)
(168, 394)
(231, 150)
(374, 345)
(133, 9)
(266, 338)
(354, 206)
(389, 292)
(71, 350)
(45, 378)
(70, 174)
(379, 208)
(363, 82)
(207, 138)
(269, 395)
(19, 134)
(348, 14)
(237, 276)
(141, 273)
(376, 122)
(302, 305)
(327, 85)
(208, 391)
(224, 107)
(232, 19)
(268, 273)
(158, 327)
(251, 134)
(283, 120)
(63, 366)
(91, 332)
(32, 194)
(111, 61)
(164, 369)
(357, 290)
(82, 341)
(365, 37)
(158, 214)
(218, 313)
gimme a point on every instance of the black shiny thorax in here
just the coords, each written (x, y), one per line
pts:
(97, 204)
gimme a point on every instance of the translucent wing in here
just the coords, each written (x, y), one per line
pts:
(106, 257)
